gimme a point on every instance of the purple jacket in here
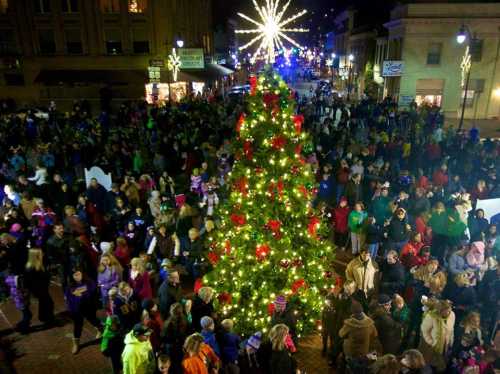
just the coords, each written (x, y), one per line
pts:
(84, 301)
(106, 280)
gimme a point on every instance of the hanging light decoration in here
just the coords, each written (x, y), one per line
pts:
(271, 29)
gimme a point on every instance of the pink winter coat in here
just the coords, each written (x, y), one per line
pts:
(475, 257)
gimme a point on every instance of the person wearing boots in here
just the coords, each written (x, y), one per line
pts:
(81, 299)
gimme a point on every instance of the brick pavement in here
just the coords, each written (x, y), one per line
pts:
(49, 351)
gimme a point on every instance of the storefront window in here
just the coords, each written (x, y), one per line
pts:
(428, 100)
(137, 6)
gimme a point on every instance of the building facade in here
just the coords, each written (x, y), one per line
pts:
(424, 37)
(68, 49)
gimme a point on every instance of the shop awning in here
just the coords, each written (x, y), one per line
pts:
(210, 73)
(114, 77)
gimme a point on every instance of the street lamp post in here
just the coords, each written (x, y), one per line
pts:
(349, 78)
(465, 35)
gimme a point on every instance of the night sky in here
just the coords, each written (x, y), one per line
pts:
(319, 18)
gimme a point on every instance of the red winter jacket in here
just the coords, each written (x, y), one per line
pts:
(439, 178)
(340, 218)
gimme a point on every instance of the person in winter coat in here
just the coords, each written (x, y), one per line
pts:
(174, 333)
(359, 333)
(97, 195)
(356, 227)
(36, 281)
(138, 356)
(81, 299)
(380, 206)
(389, 330)
(170, 292)
(354, 190)
(139, 279)
(398, 230)
(439, 224)
(420, 203)
(202, 306)
(109, 274)
(469, 335)
(456, 262)
(411, 251)
(112, 342)
(413, 362)
(392, 274)
(207, 331)
(151, 318)
(438, 333)
(462, 294)
(283, 315)
(229, 344)
(373, 236)
(199, 357)
(339, 222)
(475, 256)
(478, 225)
(328, 323)
(126, 306)
(275, 357)
(361, 270)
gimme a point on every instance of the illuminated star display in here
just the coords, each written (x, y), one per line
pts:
(174, 64)
(271, 29)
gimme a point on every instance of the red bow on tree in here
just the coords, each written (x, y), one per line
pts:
(253, 85)
(213, 257)
(240, 122)
(241, 185)
(303, 189)
(278, 142)
(198, 283)
(274, 225)
(227, 248)
(238, 219)
(225, 298)
(298, 149)
(313, 225)
(280, 187)
(247, 148)
(298, 120)
(270, 99)
(270, 308)
(298, 284)
(262, 251)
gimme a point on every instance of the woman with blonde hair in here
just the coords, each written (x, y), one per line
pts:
(109, 274)
(275, 355)
(139, 279)
(468, 334)
(433, 278)
(37, 281)
(202, 306)
(199, 357)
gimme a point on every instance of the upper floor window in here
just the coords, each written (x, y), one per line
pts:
(137, 6)
(113, 42)
(140, 41)
(434, 53)
(4, 6)
(70, 6)
(42, 6)
(110, 6)
(7, 43)
(47, 42)
(74, 42)
(476, 50)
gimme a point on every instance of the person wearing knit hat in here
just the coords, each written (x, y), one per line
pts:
(358, 332)
(389, 330)
(283, 314)
(384, 300)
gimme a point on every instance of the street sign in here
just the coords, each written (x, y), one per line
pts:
(392, 68)
(157, 63)
(154, 74)
(192, 58)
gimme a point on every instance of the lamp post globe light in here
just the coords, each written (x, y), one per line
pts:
(350, 76)
(180, 43)
(464, 35)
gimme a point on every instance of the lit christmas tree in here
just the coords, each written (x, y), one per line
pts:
(269, 243)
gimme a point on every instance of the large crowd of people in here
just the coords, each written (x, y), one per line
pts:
(398, 190)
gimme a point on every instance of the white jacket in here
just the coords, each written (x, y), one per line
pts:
(40, 177)
(430, 331)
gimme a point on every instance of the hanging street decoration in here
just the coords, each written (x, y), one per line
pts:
(174, 64)
(271, 29)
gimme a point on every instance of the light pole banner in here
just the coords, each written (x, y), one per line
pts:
(392, 68)
(191, 58)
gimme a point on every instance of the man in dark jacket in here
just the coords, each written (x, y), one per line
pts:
(170, 292)
(97, 195)
(393, 274)
(389, 331)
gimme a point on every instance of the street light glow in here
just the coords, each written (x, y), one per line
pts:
(180, 43)
(334, 55)
(462, 35)
(351, 57)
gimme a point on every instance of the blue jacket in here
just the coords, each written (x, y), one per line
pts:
(456, 264)
(209, 337)
(229, 344)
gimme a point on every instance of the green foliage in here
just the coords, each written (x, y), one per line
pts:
(269, 242)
